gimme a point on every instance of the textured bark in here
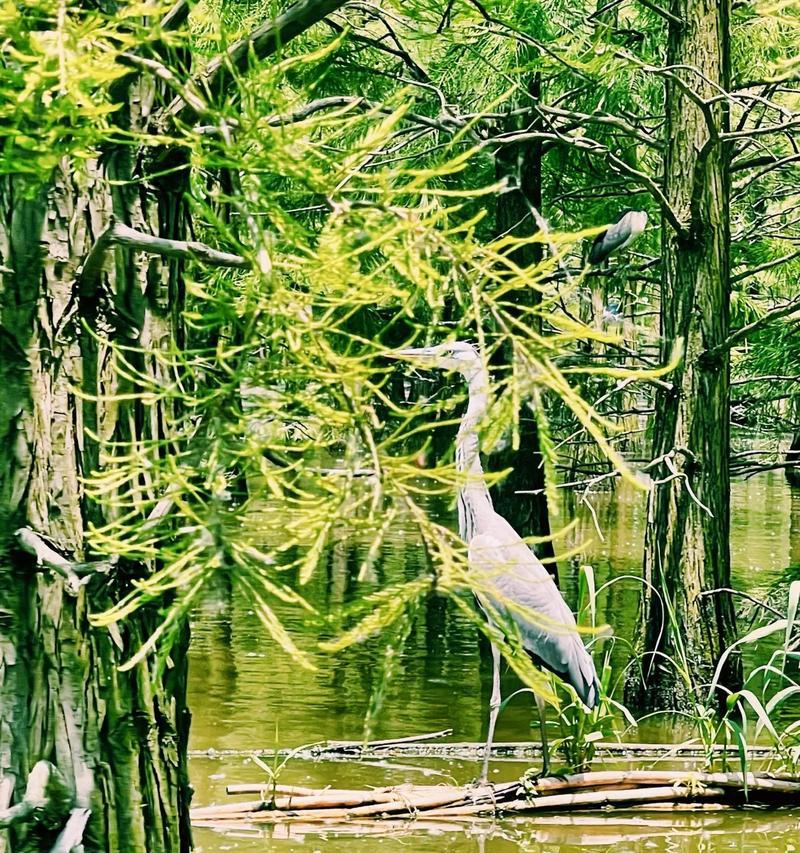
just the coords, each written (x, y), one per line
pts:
(687, 545)
(793, 453)
(527, 513)
(118, 739)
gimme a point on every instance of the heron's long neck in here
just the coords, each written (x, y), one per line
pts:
(473, 496)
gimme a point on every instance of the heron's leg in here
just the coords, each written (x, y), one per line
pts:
(540, 705)
(494, 707)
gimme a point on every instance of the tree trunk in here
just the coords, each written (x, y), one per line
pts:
(793, 453)
(527, 513)
(687, 543)
(119, 739)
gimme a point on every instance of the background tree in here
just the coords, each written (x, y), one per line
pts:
(215, 223)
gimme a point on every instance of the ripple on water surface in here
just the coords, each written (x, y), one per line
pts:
(245, 693)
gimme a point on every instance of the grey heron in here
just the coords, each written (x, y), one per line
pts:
(622, 233)
(513, 581)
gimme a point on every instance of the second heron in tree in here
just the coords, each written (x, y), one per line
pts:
(622, 233)
(512, 581)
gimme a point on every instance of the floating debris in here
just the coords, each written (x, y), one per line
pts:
(595, 790)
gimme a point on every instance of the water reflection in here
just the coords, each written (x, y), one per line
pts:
(245, 693)
(697, 833)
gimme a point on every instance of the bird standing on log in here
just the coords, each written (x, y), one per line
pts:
(513, 581)
(622, 233)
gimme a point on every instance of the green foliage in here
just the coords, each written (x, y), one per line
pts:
(753, 713)
(367, 223)
(279, 399)
(60, 64)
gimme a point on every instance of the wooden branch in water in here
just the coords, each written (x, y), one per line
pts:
(513, 750)
(601, 789)
(527, 749)
(588, 799)
(336, 745)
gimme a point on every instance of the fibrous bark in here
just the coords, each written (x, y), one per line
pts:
(521, 496)
(687, 544)
(118, 739)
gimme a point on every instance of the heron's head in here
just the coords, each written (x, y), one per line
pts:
(455, 355)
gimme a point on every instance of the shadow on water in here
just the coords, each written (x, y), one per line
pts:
(246, 694)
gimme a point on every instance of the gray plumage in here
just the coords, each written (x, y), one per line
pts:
(627, 228)
(527, 596)
(509, 578)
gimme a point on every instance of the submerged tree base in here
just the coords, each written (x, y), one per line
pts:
(597, 790)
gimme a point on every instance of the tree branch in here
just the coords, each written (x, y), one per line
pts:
(765, 266)
(261, 43)
(664, 13)
(746, 331)
(176, 16)
(761, 131)
(186, 91)
(36, 795)
(768, 160)
(618, 165)
(71, 835)
(771, 378)
(120, 234)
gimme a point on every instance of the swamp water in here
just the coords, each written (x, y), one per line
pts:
(246, 694)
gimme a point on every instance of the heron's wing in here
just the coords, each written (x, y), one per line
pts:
(597, 252)
(512, 580)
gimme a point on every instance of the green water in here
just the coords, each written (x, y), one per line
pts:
(246, 694)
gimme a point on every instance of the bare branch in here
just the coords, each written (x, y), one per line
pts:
(262, 42)
(120, 234)
(761, 131)
(765, 266)
(772, 378)
(591, 146)
(186, 91)
(660, 10)
(768, 160)
(176, 16)
(35, 795)
(746, 331)
(71, 836)
(601, 118)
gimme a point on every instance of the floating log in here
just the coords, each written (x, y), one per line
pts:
(419, 747)
(595, 790)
